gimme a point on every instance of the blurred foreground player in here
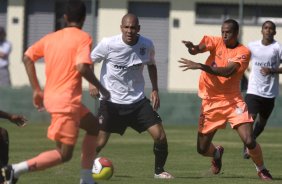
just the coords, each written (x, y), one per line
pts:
(20, 121)
(67, 60)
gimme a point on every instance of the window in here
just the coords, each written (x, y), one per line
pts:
(212, 13)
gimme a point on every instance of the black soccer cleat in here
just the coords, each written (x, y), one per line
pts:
(7, 173)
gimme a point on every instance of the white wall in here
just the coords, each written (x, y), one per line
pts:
(110, 14)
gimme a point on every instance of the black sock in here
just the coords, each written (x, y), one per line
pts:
(161, 152)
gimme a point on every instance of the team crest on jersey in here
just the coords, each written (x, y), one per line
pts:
(142, 51)
(213, 64)
(244, 56)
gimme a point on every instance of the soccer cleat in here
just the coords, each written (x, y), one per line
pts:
(1, 179)
(265, 175)
(163, 175)
(7, 173)
(246, 154)
(217, 163)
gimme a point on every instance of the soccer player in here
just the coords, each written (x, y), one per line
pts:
(5, 50)
(67, 60)
(263, 85)
(124, 57)
(219, 89)
(20, 121)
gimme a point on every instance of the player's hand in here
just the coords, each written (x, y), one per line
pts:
(19, 120)
(265, 71)
(188, 64)
(38, 100)
(191, 47)
(105, 93)
(155, 99)
(188, 44)
(93, 91)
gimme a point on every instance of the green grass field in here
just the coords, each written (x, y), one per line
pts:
(133, 158)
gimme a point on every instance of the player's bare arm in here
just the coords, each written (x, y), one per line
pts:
(227, 71)
(37, 91)
(194, 49)
(93, 91)
(87, 73)
(269, 71)
(19, 120)
(153, 74)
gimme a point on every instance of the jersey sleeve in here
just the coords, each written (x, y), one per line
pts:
(6, 48)
(209, 42)
(99, 53)
(243, 57)
(83, 51)
(36, 51)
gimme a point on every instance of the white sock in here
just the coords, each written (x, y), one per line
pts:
(86, 177)
(259, 168)
(20, 168)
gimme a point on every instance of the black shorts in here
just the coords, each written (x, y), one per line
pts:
(115, 118)
(259, 105)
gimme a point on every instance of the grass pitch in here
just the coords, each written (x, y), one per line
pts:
(133, 158)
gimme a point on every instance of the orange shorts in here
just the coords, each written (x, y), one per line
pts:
(64, 127)
(216, 113)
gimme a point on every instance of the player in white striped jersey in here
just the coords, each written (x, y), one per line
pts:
(124, 57)
(263, 85)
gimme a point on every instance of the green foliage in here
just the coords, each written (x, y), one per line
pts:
(133, 158)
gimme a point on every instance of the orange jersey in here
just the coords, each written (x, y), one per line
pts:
(62, 51)
(217, 87)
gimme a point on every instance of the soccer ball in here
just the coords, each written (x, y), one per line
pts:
(102, 169)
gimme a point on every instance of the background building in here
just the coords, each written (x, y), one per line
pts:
(167, 22)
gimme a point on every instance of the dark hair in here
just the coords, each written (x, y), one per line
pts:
(270, 22)
(234, 23)
(75, 11)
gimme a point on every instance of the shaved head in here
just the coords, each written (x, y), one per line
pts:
(131, 17)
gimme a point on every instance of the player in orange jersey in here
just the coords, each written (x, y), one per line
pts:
(67, 60)
(219, 89)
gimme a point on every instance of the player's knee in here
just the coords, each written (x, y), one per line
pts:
(100, 146)
(161, 139)
(250, 142)
(202, 150)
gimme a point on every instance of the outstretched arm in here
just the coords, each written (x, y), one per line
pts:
(19, 120)
(268, 71)
(194, 49)
(227, 71)
(153, 74)
(37, 91)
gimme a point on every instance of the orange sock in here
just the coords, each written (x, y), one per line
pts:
(256, 155)
(88, 151)
(45, 160)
